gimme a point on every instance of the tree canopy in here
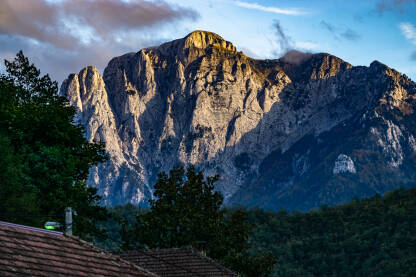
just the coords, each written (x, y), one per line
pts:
(44, 154)
(187, 211)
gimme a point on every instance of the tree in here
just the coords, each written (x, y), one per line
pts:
(46, 157)
(187, 211)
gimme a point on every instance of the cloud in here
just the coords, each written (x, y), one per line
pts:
(409, 31)
(340, 33)
(393, 5)
(350, 35)
(256, 6)
(291, 52)
(284, 41)
(63, 36)
(328, 26)
(112, 16)
(59, 62)
(33, 19)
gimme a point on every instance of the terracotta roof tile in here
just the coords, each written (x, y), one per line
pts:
(28, 251)
(177, 262)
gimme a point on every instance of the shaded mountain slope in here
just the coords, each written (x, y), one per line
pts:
(377, 140)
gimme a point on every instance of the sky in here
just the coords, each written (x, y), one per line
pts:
(63, 36)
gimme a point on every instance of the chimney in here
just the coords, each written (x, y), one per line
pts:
(68, 221)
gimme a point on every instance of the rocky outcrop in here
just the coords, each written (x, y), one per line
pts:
(199, 101)
(344, 164)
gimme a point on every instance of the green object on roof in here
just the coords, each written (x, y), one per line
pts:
(51, 225)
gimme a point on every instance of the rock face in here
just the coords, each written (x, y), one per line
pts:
(268, 127)
(344, 164)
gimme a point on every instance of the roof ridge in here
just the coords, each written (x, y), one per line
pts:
(147, 253)
(109, 254)
(213, 262)
(188, 249)
(30, 228)
(166, 249)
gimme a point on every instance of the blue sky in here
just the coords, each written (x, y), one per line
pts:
(62, 36)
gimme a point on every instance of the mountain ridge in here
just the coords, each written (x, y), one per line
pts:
(197, 100)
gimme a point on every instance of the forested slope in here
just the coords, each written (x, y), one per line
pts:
(370, 237)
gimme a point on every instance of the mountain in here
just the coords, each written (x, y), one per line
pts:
(296, 132)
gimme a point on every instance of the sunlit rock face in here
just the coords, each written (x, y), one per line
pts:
(344, 164)
(257, 123)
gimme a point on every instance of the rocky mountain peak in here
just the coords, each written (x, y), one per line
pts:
(305, 66)
(204, 39)
(377, 64)
(195, 45)
(81, 86)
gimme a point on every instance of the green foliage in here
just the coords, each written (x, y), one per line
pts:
(187, 212)
(15, 197)
(120, 219)
(369, 237)
(45, 155)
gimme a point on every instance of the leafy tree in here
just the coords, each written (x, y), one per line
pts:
(120, 218)
(187, 211)
(46, 157)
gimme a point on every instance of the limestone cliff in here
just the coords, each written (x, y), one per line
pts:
(198, 100)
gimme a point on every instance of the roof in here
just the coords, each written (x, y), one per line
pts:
(29, 251)
(177, 262)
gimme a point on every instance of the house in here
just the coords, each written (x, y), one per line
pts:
(176, 262)
(29, 251)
